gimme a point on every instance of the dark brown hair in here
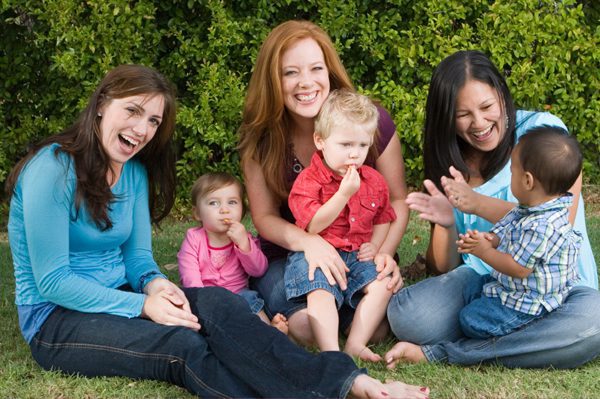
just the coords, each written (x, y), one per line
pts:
(82, 142)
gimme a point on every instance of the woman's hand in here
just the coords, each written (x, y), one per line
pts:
(386, 266)
(321, 255)
(459, 193)
(166, 304)
(433, 207)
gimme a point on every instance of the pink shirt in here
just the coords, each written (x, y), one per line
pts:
(201, 265)
(369, 206)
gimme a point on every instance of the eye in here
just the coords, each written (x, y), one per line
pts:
(213, 203)
(318, 68)
(155, 122)
(233, 202)
(289, 72)
(364, 144)
(131, 110)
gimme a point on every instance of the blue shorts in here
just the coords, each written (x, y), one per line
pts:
(297, 284)
(254, 301)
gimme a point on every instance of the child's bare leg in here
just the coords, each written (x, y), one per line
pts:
(404, 352)
(323, 316)
(369, 313)
(280, 322)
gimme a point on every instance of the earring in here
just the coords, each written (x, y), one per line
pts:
(99, 114)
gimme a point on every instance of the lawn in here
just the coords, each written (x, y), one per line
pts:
(21, 377)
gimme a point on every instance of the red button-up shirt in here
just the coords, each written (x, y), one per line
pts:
(369, 206)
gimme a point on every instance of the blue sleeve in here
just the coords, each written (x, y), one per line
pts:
(47, 186)
(140, 266)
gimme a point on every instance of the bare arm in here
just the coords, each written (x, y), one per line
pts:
(380, 231)
(391, 165)
(331, 209)
(434, 207)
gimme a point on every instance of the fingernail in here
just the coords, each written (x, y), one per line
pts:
(423, 389)
(384, 393)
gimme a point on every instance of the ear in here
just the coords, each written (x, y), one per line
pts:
(528, 181)
(196, 214)
(318, 141)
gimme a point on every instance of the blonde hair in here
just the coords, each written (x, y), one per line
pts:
(213, 181)
(343, 107)
(265, 129)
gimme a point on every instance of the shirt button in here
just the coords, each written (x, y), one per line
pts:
(352, 219)
(373, 204)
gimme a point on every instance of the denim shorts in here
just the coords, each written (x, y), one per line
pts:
(297, 284)
(254, 300)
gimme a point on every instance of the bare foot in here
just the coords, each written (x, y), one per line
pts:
(280, 322)
(362, 352)
(369, 388)
(405, 352)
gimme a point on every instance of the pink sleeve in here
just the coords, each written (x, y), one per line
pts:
(187, 260)
(254, 262)
(304, 200)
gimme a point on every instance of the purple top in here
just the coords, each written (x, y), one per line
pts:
(387, 129)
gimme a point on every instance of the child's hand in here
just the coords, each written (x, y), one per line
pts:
(367, 251)
(473, 242)
(237, 233)
(350, 183)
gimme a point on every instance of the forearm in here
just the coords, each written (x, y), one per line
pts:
(504, 263)
(280, 232)
(380, 231)
(492, 209)
(397, 228)
(442, 253)
(327, 213)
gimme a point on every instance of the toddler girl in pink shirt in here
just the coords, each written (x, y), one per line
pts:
(220, 252)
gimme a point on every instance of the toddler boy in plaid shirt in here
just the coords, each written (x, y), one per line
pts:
(533, 249)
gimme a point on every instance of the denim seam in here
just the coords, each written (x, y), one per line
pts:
(347, 386)
(293, 293)
(155, 356)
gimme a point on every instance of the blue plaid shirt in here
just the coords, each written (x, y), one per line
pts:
(542, 239)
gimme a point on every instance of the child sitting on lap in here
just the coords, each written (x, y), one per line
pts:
(347, 203)
(220, 252)
(533, 249)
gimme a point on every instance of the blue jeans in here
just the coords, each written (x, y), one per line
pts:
(235, 354)
(253, 299)
(426, 313)
(297, 284)
(487, 317)
(271, 287)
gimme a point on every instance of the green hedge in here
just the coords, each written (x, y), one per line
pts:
(53, 54)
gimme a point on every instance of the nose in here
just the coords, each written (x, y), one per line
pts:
(224, 209)
(141, 127)
(478, 119)
(353, 152)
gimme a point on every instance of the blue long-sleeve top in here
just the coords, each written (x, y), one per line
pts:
(62, 258)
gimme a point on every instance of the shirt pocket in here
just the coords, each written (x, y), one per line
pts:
(369, 206)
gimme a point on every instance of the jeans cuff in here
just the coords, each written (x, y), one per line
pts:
(434, 353)
(350, 381)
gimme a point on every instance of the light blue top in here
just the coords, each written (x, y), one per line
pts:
(61, 258)
(499, 187)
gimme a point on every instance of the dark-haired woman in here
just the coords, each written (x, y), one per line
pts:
(90, 297)
(471, 128)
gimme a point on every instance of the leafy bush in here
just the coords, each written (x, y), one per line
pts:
(53, 53)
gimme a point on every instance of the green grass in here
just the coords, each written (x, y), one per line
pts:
(21, 377)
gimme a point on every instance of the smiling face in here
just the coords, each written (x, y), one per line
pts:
(304, 78)
(480, 120)
(127, 125)
(347, 144)
(216, 209)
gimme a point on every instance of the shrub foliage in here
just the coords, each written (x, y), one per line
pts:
(53, 53)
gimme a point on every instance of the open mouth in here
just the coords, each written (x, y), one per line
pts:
(128, 141)
(483, 134)
(306, 97)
